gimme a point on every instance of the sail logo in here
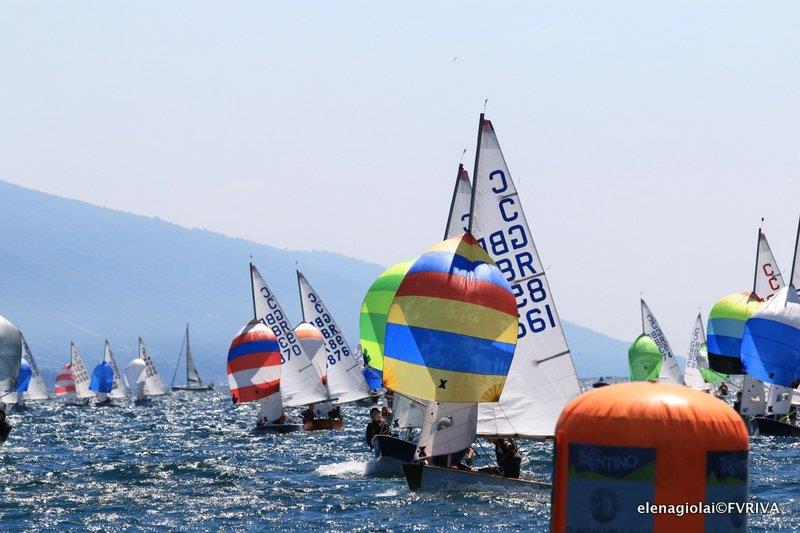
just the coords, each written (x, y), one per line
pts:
(616, 462)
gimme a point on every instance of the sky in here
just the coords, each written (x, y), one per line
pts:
(647, 140)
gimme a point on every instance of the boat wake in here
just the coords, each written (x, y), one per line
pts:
(343, 469)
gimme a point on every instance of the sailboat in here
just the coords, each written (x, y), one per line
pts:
(10, 361)
(106, 381)
(697, 375)
(193, 381)
(81, 376)
(119, 391)
(771, 352)
(30, 383)
(300, 381)
(142, 378)
(542, 377)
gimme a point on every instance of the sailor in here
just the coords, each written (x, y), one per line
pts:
(335, 413)
(737, 404)
(722, 391)
(376, 427)
(5, 427)
(307, 414)
(507, 454)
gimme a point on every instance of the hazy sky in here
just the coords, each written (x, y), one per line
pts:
(646, 140)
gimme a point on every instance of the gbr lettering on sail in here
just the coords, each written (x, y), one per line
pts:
(512, 249)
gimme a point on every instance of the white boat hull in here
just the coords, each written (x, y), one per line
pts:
(435, 479)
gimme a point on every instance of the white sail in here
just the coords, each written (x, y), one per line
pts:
(271, 408)
(153, 386)
(447, 428)
(192, 375)
(695, 359)
(301, 384)
(135, 374)
(795, 274)
(82, 377)
(458, 221)
(768, 276)
(542, 377)
(779, 399)
(118, 387)
(407, 412)
(37, 388)
(345, 381)
(754, 397)
(10, 360)
(670, 371)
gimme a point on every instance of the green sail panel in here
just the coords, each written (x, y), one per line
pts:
(644, 359)
(374, 312)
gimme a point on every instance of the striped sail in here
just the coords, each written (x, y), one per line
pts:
(118, 388)
(458, 219)
(301, 383)
(542, 378)
(644, 359)
(254, 364)
(153, 385)
(669, 372)
(65, 382)
(345, 379)
(771, 342)
(10, 358)
(451, 329)
(82, 377)
(725, 329)
(374, 311)
(37, 388)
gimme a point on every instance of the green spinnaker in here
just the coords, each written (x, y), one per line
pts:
(644, 359)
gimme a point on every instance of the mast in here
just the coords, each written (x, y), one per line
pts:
(794, 259)
(187, 352)
(253, 290)
(755, 268)
(453, 201)
(300, 294)
(641, 311)
(178, 362)
(475, 171)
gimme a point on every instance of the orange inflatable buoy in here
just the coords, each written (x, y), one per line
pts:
(648, 456)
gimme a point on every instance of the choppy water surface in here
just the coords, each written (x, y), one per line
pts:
(190, 461)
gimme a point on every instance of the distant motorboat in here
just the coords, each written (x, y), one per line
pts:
(193, 381)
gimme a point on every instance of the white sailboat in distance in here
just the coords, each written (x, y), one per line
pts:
(193, 381)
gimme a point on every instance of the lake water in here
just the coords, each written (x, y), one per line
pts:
(190, 461)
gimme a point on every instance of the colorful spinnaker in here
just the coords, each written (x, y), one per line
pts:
(345, 379)
(65, 382)
(102, 378)
(644, 359)
(725, 330)
(452, 326)
(374, 311)
(37, 388)
(771, 343)
(542, 378)
(254, 364)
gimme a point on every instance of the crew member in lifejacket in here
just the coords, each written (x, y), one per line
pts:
(5, 427)
(377, 426)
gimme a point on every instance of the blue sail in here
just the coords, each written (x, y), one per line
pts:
(771, 340)
(24, 376)
(102, 378)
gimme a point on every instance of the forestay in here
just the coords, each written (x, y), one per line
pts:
(458, 219)
(542, 378)
(300, 382)
(447, 428)
(345, 380)
(37, 388)
(153, 386)
(80, 373)
(670, 372)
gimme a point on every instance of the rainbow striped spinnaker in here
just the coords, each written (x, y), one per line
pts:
(254, 364)
(452, 326)
(725, 329)
(374, 312)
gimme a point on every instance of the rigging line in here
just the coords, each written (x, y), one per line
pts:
(175, 373)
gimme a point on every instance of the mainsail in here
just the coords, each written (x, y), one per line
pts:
(451, 329)
(10, 357)
(345, 380)
(37, 388)
(644, 359)
(374, 310)
(669, 372)
(458, 219)
(192, 376)
(697, 373)
(542, 378)
(301, 384)
(118, 388)
(82, 377)
(153, 386)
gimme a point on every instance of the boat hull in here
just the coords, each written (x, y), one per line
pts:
(760, 425)
(391, 454)
(323, 424)
(277, 428)
(434, 478)
(204, 388)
